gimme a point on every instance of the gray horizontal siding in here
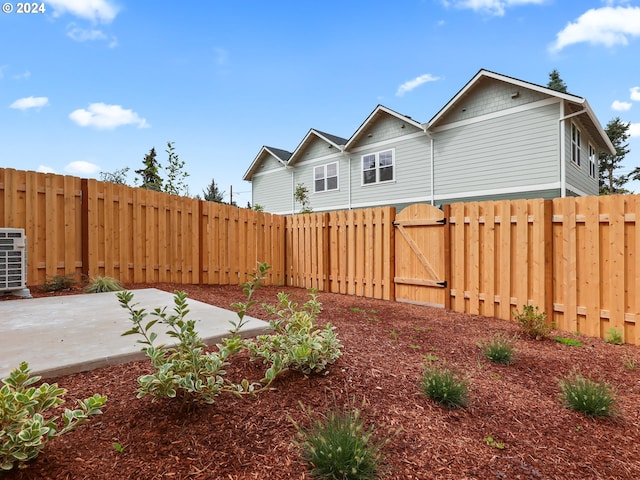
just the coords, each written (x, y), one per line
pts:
(412, 172)
(578, 176)
(482, 156)
(331, 199)
(273, 191)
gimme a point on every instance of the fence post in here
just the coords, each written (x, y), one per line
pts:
(548, 259)
(447, 256)
(84, 225)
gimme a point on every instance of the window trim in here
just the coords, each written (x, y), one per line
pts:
(377, 167)
(593, 160)
(576, 145)
(325, 178)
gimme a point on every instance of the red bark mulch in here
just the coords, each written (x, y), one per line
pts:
(386, 346)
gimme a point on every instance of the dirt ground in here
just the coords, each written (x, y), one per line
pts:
(386, 346)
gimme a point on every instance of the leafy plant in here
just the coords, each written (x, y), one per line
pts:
(59, 283)
(186, 369)
(498, 349)
(492, 443)
(118, 447)
(533, 322)
(443, 386)
(301, 195)
(103, 284)
(594, 399)
(338, 446)
(572, 342)
(24, 430)
(613, 336)
(297, 342)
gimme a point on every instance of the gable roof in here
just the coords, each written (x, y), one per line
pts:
(311, 136)
(373, 117)
(579, 104)
(280, 155)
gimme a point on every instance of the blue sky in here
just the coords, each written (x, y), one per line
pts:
(91, 85)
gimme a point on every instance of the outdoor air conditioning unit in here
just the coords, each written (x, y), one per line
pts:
(13, 262)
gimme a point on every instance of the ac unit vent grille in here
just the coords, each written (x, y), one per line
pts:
(13, 259)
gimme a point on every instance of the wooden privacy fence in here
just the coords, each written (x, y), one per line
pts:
(79, 226)
(347, 251)
(576, 258)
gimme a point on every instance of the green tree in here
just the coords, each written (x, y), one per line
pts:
(175, 183)
(556, 83)
(212, 193)
(149, 175)
(611, 182)
(301, 195)
(117, 176)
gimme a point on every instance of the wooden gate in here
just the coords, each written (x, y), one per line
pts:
(422, 256)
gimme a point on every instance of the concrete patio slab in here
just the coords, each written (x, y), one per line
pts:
(75, 333)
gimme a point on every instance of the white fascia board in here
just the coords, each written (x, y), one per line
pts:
(307, 139)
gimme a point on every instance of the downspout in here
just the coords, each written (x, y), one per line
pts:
(293, 191)
(349, 191)
(563, 148)
(432, 166)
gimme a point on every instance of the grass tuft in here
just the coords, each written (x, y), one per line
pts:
(443, 386)
(593, 399)
(498, 349)
(103, 284)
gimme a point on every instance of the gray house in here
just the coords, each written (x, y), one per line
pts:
(497, 138)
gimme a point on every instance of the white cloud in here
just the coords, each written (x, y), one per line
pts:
(22, 76)
(635, 94)
(95, 10)
(493, 7)
(606, 26)
(83, 35)
(45, 169)
(634, 130)
(29, 102)
(621, 106)
(416, 82)
(82, 168)
(106, 117)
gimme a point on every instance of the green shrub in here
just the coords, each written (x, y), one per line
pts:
(297, 342)
(59, 283)
(103, 284)
(584, 395)
(533, 322)
(189, 372)
(23, 428)
(443, 386)
(613, 336)
(338, 446)
(498, 349)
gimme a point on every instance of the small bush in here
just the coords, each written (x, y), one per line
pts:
(23, 428)
(59, 283)
(498, 349)
(338, 446)
(103, 284)
(587, 396)
(443, 386)
(533, 322)
(613, 336)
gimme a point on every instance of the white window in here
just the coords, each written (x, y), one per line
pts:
(325, 177)
(592, 161)
(377, 167)
(575, 144)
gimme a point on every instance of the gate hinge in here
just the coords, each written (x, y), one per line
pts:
(443, 283)
(443, 221)
(395, 224)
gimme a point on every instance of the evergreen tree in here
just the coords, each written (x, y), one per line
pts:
(611, 182)
(118, 177)
(176, 176)
(213, 193)
(150, 178)
(556, 83)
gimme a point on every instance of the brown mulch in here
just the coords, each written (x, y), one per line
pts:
(386, 346)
